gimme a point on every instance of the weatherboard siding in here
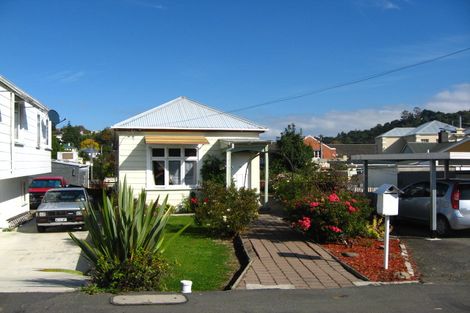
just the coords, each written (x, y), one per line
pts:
(134, 161)
(24, 157)
(5, 133)
(14, 199)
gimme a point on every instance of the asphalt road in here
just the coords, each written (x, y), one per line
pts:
(442, 261)
(443, 264)
(415, 298)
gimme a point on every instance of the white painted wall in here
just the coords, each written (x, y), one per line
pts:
(134, 163)
(21, 158)
(14, 198)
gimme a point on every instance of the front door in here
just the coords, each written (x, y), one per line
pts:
(241, 171)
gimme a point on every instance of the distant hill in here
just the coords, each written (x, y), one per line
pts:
(408, 119)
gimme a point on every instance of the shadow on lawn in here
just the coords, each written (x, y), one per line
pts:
(194, 230)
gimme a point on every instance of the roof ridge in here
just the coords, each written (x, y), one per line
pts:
(223, 113)
(202, 110)
(133, 118)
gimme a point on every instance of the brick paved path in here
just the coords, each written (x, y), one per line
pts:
(282, 259)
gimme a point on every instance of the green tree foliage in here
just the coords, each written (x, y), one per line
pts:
(292, 154)
(56, 146)
(73, 135)
(105, 164)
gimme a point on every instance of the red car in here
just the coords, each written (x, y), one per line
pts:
(40, 185)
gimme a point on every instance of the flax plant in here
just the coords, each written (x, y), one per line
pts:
(123, 233)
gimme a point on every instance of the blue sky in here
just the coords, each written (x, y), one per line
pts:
(98, 62)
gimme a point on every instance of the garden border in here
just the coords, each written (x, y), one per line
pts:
(243, 255)
(367, 281)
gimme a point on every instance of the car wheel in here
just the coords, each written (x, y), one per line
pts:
(41, 229)
(442, 226)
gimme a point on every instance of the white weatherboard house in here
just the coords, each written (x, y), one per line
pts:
(162, 150)
(25, 148)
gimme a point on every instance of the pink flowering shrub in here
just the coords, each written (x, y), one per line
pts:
(331, 216)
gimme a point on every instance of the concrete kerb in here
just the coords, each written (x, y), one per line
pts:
(149, 299)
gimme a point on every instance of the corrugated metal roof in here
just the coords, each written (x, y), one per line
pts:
(431, 128)
(183, 113)
(397, 132)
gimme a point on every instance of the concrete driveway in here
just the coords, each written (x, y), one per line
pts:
(440, 261)
(23, 253)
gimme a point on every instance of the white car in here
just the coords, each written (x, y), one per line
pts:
(62, 207)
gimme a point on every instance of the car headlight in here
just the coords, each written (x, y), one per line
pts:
(79, 213)
(42, 214)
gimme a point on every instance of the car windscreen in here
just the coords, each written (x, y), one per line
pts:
(65, 196)
(45, 183)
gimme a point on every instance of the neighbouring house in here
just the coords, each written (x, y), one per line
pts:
(25, 149)
(320, 150)
(396, 139)
(162, 150)
(345, 151)
(405, 172)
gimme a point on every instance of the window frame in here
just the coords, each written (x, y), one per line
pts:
(166, 159)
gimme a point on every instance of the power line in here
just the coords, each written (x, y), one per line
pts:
(335, 86)
(352, 82)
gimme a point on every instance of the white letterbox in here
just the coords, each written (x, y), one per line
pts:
(387, 199)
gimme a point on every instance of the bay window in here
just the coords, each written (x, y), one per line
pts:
(174, 166)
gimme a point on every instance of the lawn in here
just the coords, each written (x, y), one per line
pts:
(195, 255)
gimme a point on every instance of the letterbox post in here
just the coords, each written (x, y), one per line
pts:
(387, 205)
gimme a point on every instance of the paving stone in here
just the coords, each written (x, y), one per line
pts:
(281, 257)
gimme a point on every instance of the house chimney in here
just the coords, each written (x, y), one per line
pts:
(443, 136)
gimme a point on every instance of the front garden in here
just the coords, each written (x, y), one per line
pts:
(136, 245)
(319, 205)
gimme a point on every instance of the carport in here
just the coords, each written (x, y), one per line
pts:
(447, 158)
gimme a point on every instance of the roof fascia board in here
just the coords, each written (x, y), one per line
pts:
(22, 94)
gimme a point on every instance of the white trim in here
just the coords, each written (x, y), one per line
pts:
(150, 184)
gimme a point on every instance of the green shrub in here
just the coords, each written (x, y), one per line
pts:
(292, 187)
(126, 241)
(143, 272)
(226, 211)
(331, 216)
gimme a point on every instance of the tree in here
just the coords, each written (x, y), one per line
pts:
(71, 134)
(293, 153)
(89, 144)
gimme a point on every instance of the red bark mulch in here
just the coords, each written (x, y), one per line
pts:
(370, 259)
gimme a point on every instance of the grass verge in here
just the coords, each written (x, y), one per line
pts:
(196, 256)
